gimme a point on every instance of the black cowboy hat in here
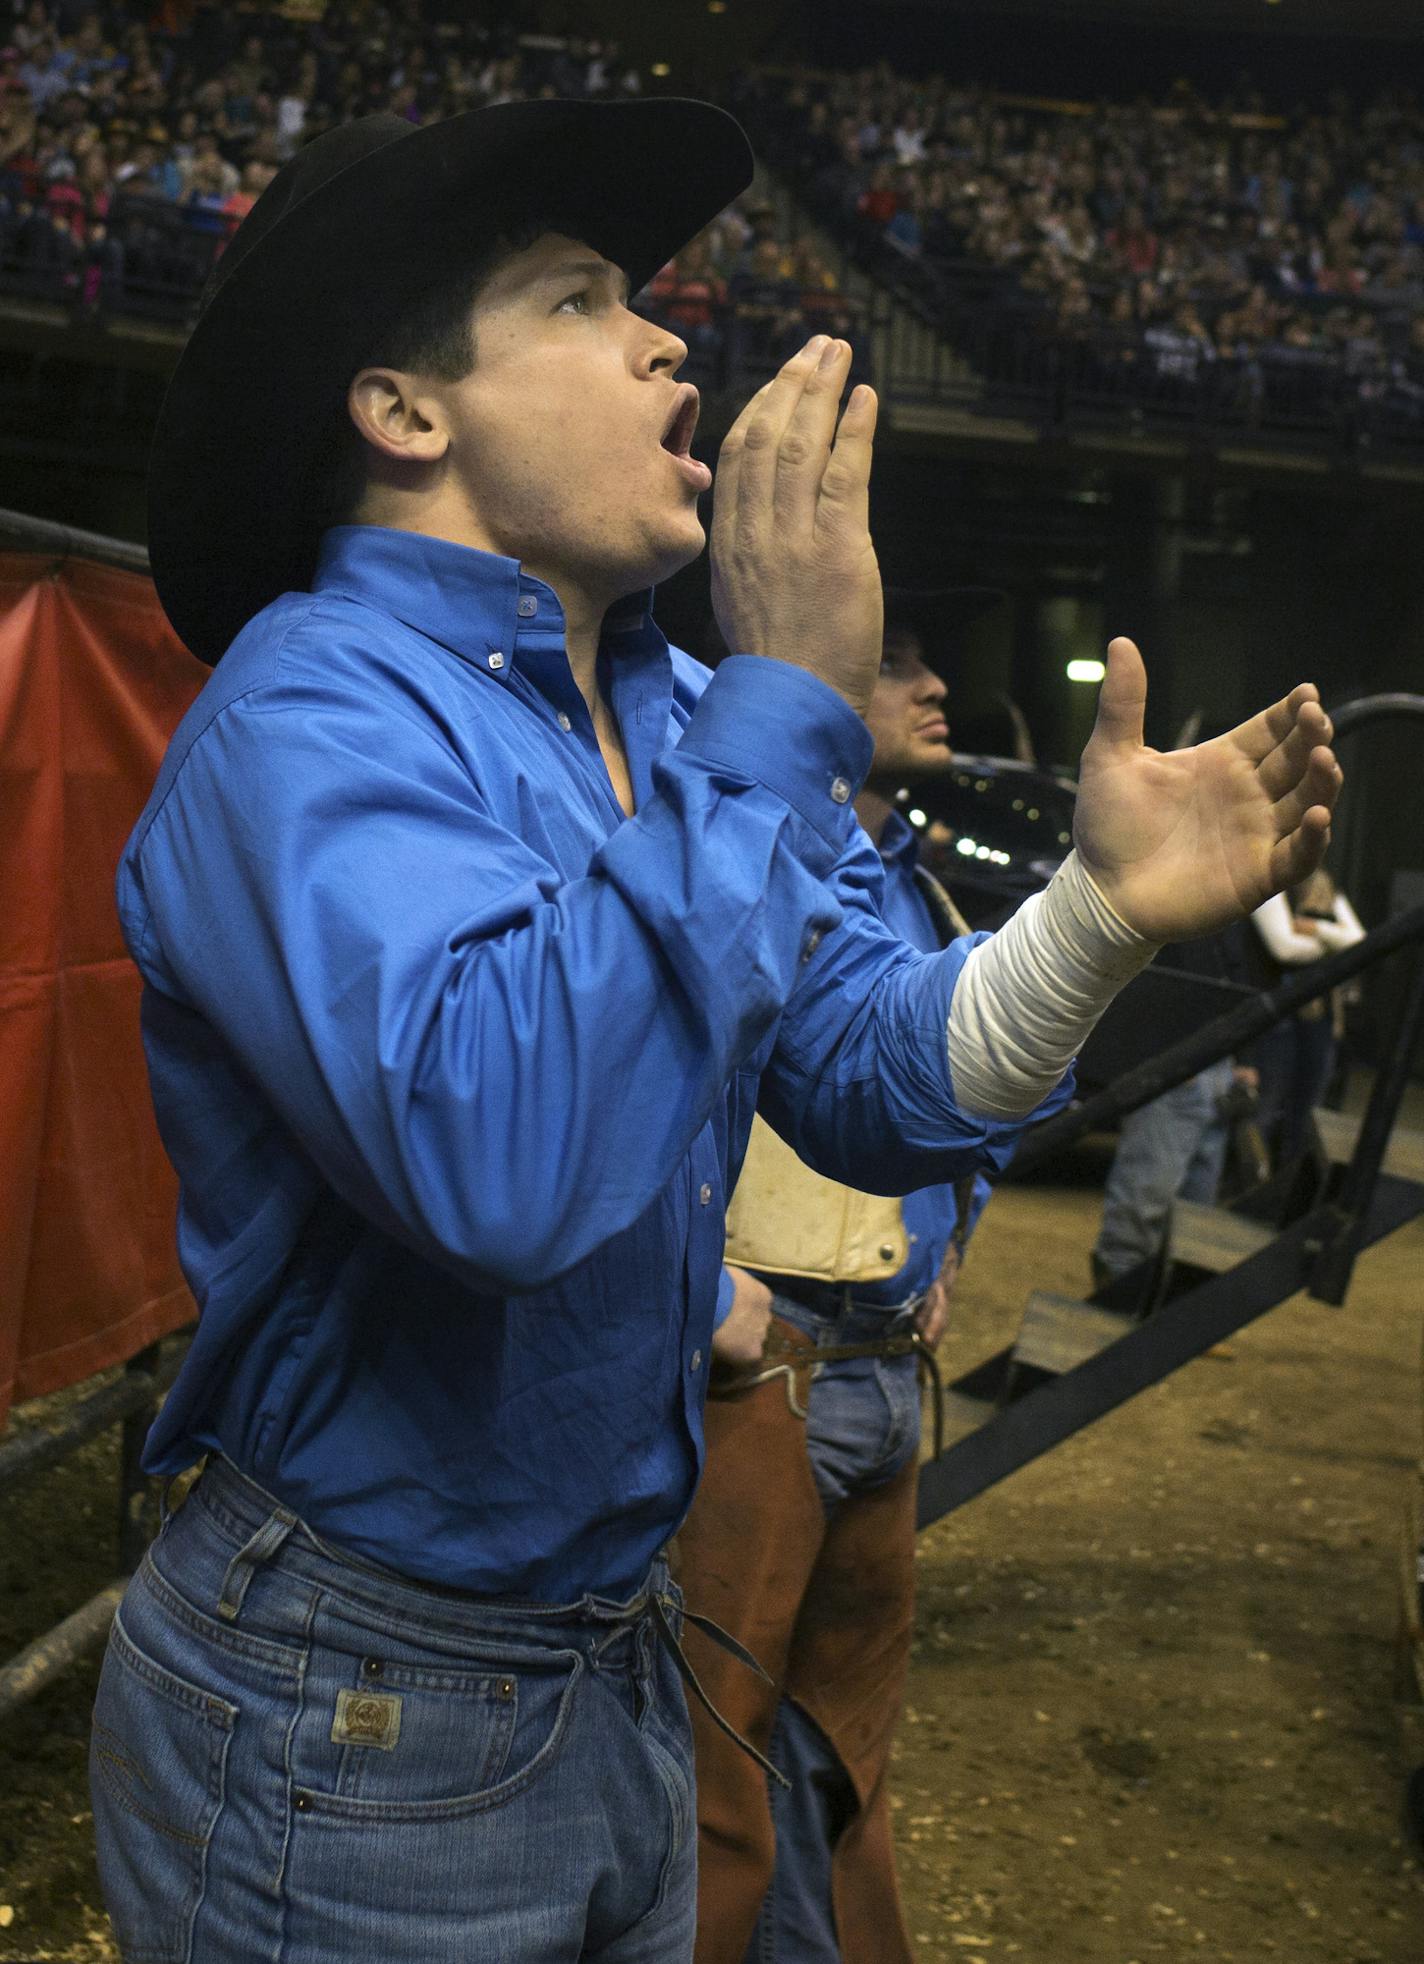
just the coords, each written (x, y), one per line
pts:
(938, 614)
(246, 432)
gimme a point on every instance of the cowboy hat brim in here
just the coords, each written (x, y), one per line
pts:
(244, 432)
(939, 613)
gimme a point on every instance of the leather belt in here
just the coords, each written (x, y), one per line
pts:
(790, 1353)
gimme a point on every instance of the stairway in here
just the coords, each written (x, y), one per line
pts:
(914, 367)
(1218, 1270)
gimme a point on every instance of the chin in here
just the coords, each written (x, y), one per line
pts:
(931, 757)
(677, 549)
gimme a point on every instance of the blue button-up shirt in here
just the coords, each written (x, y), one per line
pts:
(456, 1064)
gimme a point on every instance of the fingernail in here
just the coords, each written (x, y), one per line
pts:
(831, 355)
(815, 344)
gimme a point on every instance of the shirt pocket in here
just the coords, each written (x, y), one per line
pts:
(157, 1767)
(384, 1739)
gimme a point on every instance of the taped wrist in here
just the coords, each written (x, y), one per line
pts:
(1026, 1000)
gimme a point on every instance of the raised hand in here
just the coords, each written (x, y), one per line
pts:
(1184, 841)
(794, 573)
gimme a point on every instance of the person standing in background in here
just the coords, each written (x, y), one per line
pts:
(1298, 1055)
(801, 1540)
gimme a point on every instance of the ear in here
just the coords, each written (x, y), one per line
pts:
(396, 418)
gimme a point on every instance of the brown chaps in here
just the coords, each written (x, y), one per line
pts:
(827, 1611)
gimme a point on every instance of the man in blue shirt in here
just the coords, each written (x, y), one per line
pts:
(828, 1414)
(474, 923)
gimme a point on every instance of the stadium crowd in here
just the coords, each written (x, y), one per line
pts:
(1172, 244)
(131, 148)
(1172, 251)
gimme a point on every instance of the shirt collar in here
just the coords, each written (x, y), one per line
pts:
(480, 605)
(899, 843)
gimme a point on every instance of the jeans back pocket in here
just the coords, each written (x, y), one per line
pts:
(157, 1768)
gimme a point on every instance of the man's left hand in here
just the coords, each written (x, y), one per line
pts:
(933, 1313)
(1185, 841)
(739, 1339)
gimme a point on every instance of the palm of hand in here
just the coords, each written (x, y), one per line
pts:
(1183, 842)
(1180, 842)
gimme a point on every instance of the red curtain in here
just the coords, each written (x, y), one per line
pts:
(92, 684)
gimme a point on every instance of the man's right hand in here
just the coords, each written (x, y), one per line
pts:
(794, 573)
(741, 1335)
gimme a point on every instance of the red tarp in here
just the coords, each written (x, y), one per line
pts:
(92, 684)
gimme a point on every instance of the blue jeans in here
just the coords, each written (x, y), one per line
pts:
(300, 1759)
(1297, 1058)
(862, 1429)
(1172, 1149)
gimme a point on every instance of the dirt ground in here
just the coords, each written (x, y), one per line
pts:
(1151, 1712)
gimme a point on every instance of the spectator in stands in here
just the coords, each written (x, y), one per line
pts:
(690, 296)
(1225, 217)
(766, 311)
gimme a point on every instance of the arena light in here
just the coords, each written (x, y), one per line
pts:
(660, 68)
(916, 817)
(1086, 671)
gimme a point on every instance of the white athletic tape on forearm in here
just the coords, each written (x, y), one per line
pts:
(1027, 999)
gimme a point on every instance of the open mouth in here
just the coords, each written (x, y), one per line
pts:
(677, 437)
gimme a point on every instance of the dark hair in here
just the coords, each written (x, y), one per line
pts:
(427, 329)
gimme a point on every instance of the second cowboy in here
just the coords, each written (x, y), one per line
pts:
(801, 1539)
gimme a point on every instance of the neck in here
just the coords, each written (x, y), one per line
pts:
(584, 601)
(583, 628)
(873, 807)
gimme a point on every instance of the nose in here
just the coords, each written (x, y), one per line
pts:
(931, 687)
(660, 351)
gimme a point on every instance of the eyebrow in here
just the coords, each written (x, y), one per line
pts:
(594, 268)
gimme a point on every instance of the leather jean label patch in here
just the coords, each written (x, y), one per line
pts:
(366, 1718)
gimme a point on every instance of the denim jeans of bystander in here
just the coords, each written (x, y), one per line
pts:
(1172, 1149)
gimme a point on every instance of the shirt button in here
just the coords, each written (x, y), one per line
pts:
(813, 942)
(565, 720)
(496, 659)
(697, 1360)
(704, 1193)
(527, 605)
(840, 790)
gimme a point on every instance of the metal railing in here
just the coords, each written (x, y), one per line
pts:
(1315, 1251)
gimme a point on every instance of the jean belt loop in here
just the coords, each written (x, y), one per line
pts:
(165, 1512)
(261, 1547)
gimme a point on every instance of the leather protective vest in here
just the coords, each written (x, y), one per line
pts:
(786, 1220)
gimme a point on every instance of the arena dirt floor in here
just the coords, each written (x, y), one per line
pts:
(1151, 1715)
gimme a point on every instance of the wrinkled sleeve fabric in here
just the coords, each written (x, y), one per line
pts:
(980, 1194)
(498, 1067)
(859, 1080)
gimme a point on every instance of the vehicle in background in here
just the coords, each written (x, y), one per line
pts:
(993, 831)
